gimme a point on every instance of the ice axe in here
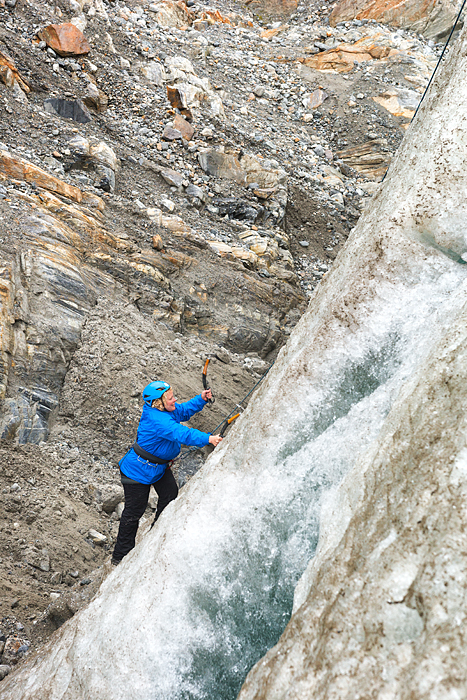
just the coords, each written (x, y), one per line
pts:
(205, 380)
(226, 424)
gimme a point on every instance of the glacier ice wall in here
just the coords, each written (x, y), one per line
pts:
(209, 590)
(381, 609)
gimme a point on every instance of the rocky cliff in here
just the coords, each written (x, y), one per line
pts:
(176, 181)
(433, 19)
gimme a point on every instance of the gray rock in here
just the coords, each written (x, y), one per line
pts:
(4, 671)
(69, 109)
(222, 165)
(196, 192)
(171, 134)
(97, 538)
(38, 559)
(172, 177)
(223, 355)
(154, 72)
(111, 498)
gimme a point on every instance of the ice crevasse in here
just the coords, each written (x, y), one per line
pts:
(344, 481)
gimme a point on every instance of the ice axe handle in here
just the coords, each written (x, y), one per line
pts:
(205, 380)
(227, 423)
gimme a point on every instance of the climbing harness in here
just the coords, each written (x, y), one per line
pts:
(205, 380)
(144, 454)
(436, 67)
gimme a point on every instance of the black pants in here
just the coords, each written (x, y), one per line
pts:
(136, 501)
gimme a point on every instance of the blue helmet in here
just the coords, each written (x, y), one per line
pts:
(154, 390)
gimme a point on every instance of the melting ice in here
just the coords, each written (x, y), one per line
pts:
(210, 589)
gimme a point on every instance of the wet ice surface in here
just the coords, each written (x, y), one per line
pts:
(253, 533)
(240, 604)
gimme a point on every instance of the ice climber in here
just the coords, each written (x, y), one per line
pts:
(158, 442)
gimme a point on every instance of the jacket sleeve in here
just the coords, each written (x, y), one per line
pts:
(171, 430)
(184, 411)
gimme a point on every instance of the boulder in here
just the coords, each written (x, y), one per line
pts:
(95, 99)
(433, 19)
(111, 497)
(103, 154)
(171, 134)
(400, 102)
(172, 14)
(184, 127)
(97, 537)
(154, 72)
(20, 169)
(343, 57)
(15, 649)
(172, 178)
(69, 109)
(265, 173)
(65, 39)
(4, 671)
(223, 165)
(9, 74)
(314, 99)
(371, 159)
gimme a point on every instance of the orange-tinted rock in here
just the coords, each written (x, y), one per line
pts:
(20, 169)
(401, 103)
(269, 33)
(430, 17)
(343, 57)
(183, 127)
(379, 52)
(173, 14)
(65, 39)
(340, 59)
(315, 99)
(157, 242)
(6, 76)
(9, 74)
(177, 102)
(214, 16)
(371, 159)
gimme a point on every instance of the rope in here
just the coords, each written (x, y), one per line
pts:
(440, 58)
(436, 67)
(237, 405)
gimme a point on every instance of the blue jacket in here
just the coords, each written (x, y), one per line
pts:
(160, 433)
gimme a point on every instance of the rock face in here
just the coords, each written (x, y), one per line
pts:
(371, 158)
(434, 19)
(361, 421)
(343, 57)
